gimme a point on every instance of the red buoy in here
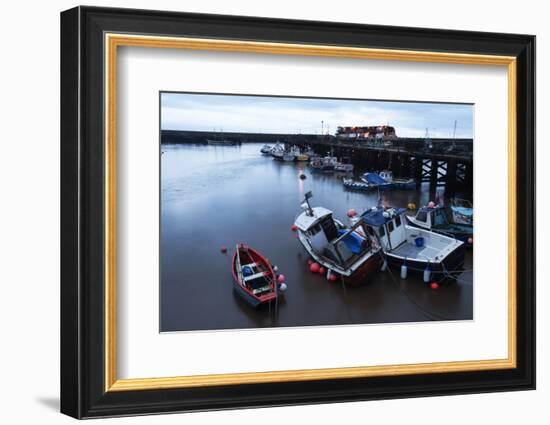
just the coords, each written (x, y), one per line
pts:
(471, 241)
(294, 227)
(281, 278)
(309, 262)
(314, 268)
(333, 278)
(223, 249)
(434, 285)
(351, 213)
(322, 270)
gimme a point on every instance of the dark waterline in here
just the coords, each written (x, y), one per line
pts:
(213, 196)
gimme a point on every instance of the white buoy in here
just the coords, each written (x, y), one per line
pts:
(403, 271)
(384, 266)
(426, 275)
(275, 268)
(282, 287)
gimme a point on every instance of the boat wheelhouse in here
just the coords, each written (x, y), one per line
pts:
(348, 252)
(463, 211)
(439, 219)
(431, 254)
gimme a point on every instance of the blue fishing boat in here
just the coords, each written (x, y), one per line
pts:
(385, 181)
(347, 252)
(439, 219)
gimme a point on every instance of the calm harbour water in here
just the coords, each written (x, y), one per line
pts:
(217, 195)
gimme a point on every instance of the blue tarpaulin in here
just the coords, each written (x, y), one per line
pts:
(353, 241)
(374, 178)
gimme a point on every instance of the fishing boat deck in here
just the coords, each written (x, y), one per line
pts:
(409, 250)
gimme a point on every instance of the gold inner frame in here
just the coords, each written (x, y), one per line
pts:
(113, 41)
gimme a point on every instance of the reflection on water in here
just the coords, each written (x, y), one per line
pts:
(213, 196)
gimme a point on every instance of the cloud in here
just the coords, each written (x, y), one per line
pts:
(186, 111)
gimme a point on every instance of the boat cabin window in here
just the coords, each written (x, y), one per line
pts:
(390, 226)
(315, 229)
(381, 231)
(422, 216)
(370, 230)
(398, 221)
(439, 218)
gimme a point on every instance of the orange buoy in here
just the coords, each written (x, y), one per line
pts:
(434, 285)
(223, 249)
(314, 268)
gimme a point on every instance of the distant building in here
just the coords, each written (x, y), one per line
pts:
(373, 132)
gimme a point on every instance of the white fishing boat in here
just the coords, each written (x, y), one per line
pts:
(433, 255)
(349, 253)
(329, 163)
(325, 164)
(344, 165)
(266, 149)
(301, 156)
(278, 151)
(289, 157)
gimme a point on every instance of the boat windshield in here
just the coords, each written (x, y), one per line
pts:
(440, 218)
(351, 246)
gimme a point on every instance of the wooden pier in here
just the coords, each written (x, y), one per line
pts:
(440, 162)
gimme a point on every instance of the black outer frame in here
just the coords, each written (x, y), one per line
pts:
(82, 219)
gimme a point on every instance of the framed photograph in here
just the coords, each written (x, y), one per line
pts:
(261, 212)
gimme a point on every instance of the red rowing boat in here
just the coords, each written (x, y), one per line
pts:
(253, 277)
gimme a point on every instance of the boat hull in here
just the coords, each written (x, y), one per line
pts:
(244, 289)
(249, 299)
(358, 276)
(439, 271)
(354, 185)
(365, 271)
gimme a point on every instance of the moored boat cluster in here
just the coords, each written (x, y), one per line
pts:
(384, 236)
(429, 245)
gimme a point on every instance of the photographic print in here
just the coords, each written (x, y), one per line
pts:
(288, 211)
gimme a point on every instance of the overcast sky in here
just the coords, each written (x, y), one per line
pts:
(259, 114)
